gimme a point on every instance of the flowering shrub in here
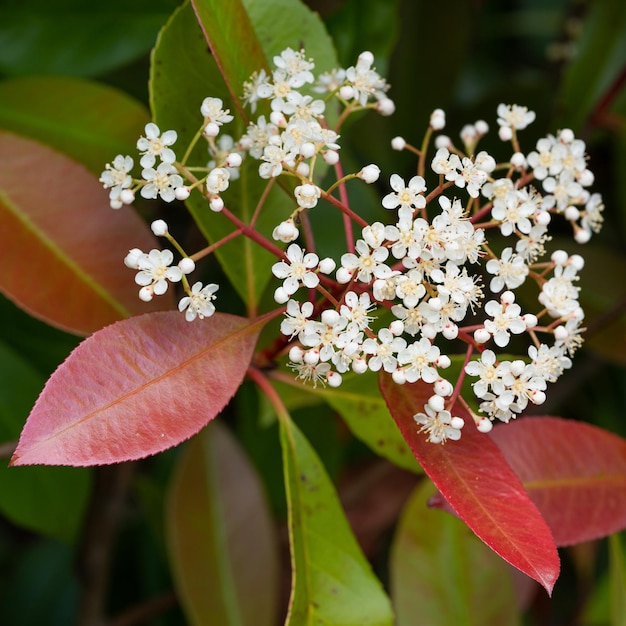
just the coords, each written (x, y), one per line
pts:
(432, 307)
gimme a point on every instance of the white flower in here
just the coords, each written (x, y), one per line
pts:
(369, 263)
(297, 270)
(213, 112)
(364, 80)
(439, 425)
(296, 318)
(559, 295)
(116, 177)
(307, 195)
(154, 270)
(418, 359)
(506, 320)
(406, 195)
(515, 116)
(199, 303)
(161, 182)
(156, 145)
(510, 271)
(356, 309)
(489, 373)
(383, 350)
(218, 180)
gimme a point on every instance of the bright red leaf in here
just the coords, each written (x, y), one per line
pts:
(474, 477)
(136, 388)
(574, 472)
(62, 243)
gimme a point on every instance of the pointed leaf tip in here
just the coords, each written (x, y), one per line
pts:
(474, 477)
(136, 388)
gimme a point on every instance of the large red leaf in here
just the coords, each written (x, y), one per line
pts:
(481, 487)
(574, 472)
(63, 246)
(136, 388)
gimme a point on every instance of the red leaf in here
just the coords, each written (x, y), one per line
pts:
(136, 388)
(574, 472)
(64, 245)
(474, 477)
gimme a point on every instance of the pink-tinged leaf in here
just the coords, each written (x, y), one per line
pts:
(136, 388)
(474, 477)
(63, 243)
(221, 539)
(574, 472)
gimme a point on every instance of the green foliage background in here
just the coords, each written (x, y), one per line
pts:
(565, 59)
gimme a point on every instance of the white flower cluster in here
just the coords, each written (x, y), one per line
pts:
(422, 273)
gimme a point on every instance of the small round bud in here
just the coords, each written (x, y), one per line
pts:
(561, 333)
(559, 257)
(116, 204)
(366, 58)
(582, 235)
(443, 361)
(286, 231)
(429, 331)
(278, 119)
(571, 213)
(566, 135)
(507, 297)
(344, 275)
(296, 354)
(450, 331)
(304, 169)
(484, 425)
(127, 196)
(186, 265)
(468, 134)
(481, 335)
(346, 92)
(577, 261)
(436, 403)
(482, 128)
(331, 157)
(398, 376)
(311, 357)
(359, 366)
(333, 379)
(146, 293)
(211, 129)
(505, 133)
(307, 149)
(386, 107)
(398, 143)
(159, 228)
(437, 119)
(369, 173)
(543, 218)
(530, 320)
(182, 193)
(132, 258)
(518, 160)
(396, 327)
(280, 295)
(537, 397)
(442, 141)
(327, 265)
(216, 204)
(233, 160)
(443, 387)
(585, 178)
(457, 422)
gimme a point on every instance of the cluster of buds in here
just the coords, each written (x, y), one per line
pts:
(443, 270)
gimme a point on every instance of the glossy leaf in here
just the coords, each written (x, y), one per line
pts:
(474, 477)
(136, 388)
(361, 406)
(221, 539)
(183, 74)
(50, 501)
(441, 574)
(72, 38)
(332, 582)
(574, 472)
(87, 121)
(66, 243)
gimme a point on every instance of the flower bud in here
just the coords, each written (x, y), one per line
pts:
(146, 293)
(127, 196)
(132, 258)
(331, 157)
(436, 403)
(457, 422)
(280, 295)
(369, 173)
(484, 425)
(333, 379)
(186, 265)
(159, 228)
(437, 119)
(182, 193)
(398, 143)
(327, 265)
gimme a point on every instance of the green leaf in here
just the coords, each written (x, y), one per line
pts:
(333, 584)
(75, 38)
(361, 406)
(441, 574)
(600, 55)
(48, 502)
(617, 573)
(87, 121)
(221, 538)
